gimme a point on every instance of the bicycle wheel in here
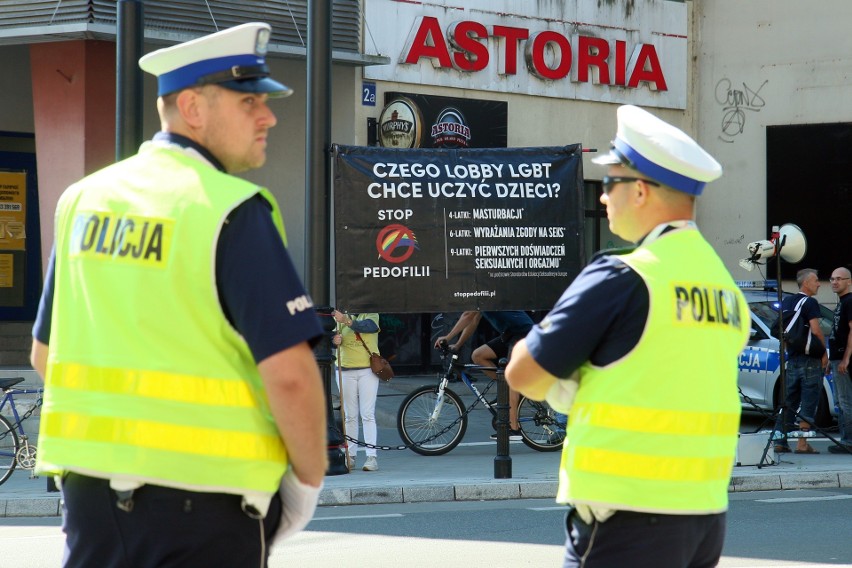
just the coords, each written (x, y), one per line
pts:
(8, 449)
(542, 428)
(428, 432)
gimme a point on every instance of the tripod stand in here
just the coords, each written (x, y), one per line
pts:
(784, 409)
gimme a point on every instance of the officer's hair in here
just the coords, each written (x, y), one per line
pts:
(672, 195)
(167, 105)
(803, 274)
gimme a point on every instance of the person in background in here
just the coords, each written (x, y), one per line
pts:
(804, 372)
(510, 327)
(651, 436)
(840, 348)
(356, 339)
(183, 407)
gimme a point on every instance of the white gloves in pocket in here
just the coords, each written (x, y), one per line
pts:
(561, 395)
(298, 503)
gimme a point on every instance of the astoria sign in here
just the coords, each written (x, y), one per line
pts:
(464, 47)
(589, 51)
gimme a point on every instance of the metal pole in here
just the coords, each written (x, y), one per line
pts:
(502, 461)
(780, 241)
(318, 205)
(129, 37)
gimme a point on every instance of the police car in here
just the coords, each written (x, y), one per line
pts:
(759, 363)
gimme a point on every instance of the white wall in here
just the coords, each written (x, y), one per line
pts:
(284, 172)
(791, 63)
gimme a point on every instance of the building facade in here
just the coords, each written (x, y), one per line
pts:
(763, 86)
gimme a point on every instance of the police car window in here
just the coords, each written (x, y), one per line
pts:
(767, 314)
(826, 320)
(756, 332)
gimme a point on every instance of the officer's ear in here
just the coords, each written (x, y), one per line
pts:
(192, 106)
(641, 192)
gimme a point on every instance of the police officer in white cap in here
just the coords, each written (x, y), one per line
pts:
(183, 405)
(652, 337)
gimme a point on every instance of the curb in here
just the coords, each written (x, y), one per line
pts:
(49, 505)
(46, 506)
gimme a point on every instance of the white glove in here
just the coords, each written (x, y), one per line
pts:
(298, 503)
(560, 396)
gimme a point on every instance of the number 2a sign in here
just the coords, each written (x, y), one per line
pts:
(368, 94)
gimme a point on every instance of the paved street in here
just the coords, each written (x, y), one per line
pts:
(765, 529)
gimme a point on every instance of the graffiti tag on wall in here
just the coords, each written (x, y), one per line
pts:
(735, 103)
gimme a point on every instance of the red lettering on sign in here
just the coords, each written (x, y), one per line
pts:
(535, 55)
(509, 37)
(471, 55)
(593, 52)
(620, 63)
(646, 68)
(593, 56)
(428, 42)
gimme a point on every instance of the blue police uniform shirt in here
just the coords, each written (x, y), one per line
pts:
(599, 318)
(253, 271)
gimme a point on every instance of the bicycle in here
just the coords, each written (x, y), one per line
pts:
(432, 420)
(15, 447)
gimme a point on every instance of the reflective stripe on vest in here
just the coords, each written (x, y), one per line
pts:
(656, 431)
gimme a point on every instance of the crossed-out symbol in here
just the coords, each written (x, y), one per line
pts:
(392, 238)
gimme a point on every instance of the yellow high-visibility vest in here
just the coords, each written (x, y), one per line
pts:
(146, 378)
(656, 431)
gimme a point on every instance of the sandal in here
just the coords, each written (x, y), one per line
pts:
(808, 450)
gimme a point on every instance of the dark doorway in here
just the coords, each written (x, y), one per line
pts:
(808, 183)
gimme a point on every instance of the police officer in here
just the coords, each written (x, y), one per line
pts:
(653, 337)
(183, 406)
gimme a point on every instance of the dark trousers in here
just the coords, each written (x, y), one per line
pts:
(166, 528)
(645, 540)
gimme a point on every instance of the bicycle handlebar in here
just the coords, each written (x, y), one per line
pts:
(444, 348)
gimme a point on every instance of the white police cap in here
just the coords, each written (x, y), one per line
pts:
(234, 58)
(660, 151)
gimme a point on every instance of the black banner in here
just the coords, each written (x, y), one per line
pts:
(426, 230)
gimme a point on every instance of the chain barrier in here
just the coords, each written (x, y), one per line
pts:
(26, 415)
(461, 417)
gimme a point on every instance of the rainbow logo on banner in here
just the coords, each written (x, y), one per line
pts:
(395, 239)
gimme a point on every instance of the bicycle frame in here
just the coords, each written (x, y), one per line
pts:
(9, 397)
(432, 420)
(462, 370)
(21, 453)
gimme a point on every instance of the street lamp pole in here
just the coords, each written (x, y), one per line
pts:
(129, 36)
(318, 205)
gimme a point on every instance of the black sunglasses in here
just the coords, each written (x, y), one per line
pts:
(608, 182)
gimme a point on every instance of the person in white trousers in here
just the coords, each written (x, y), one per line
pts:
(356, 338)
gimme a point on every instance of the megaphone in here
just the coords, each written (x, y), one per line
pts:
(789, 239)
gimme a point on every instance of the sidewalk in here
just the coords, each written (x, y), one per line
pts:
(467, 472)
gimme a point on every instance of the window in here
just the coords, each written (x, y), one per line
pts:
(597, 234)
